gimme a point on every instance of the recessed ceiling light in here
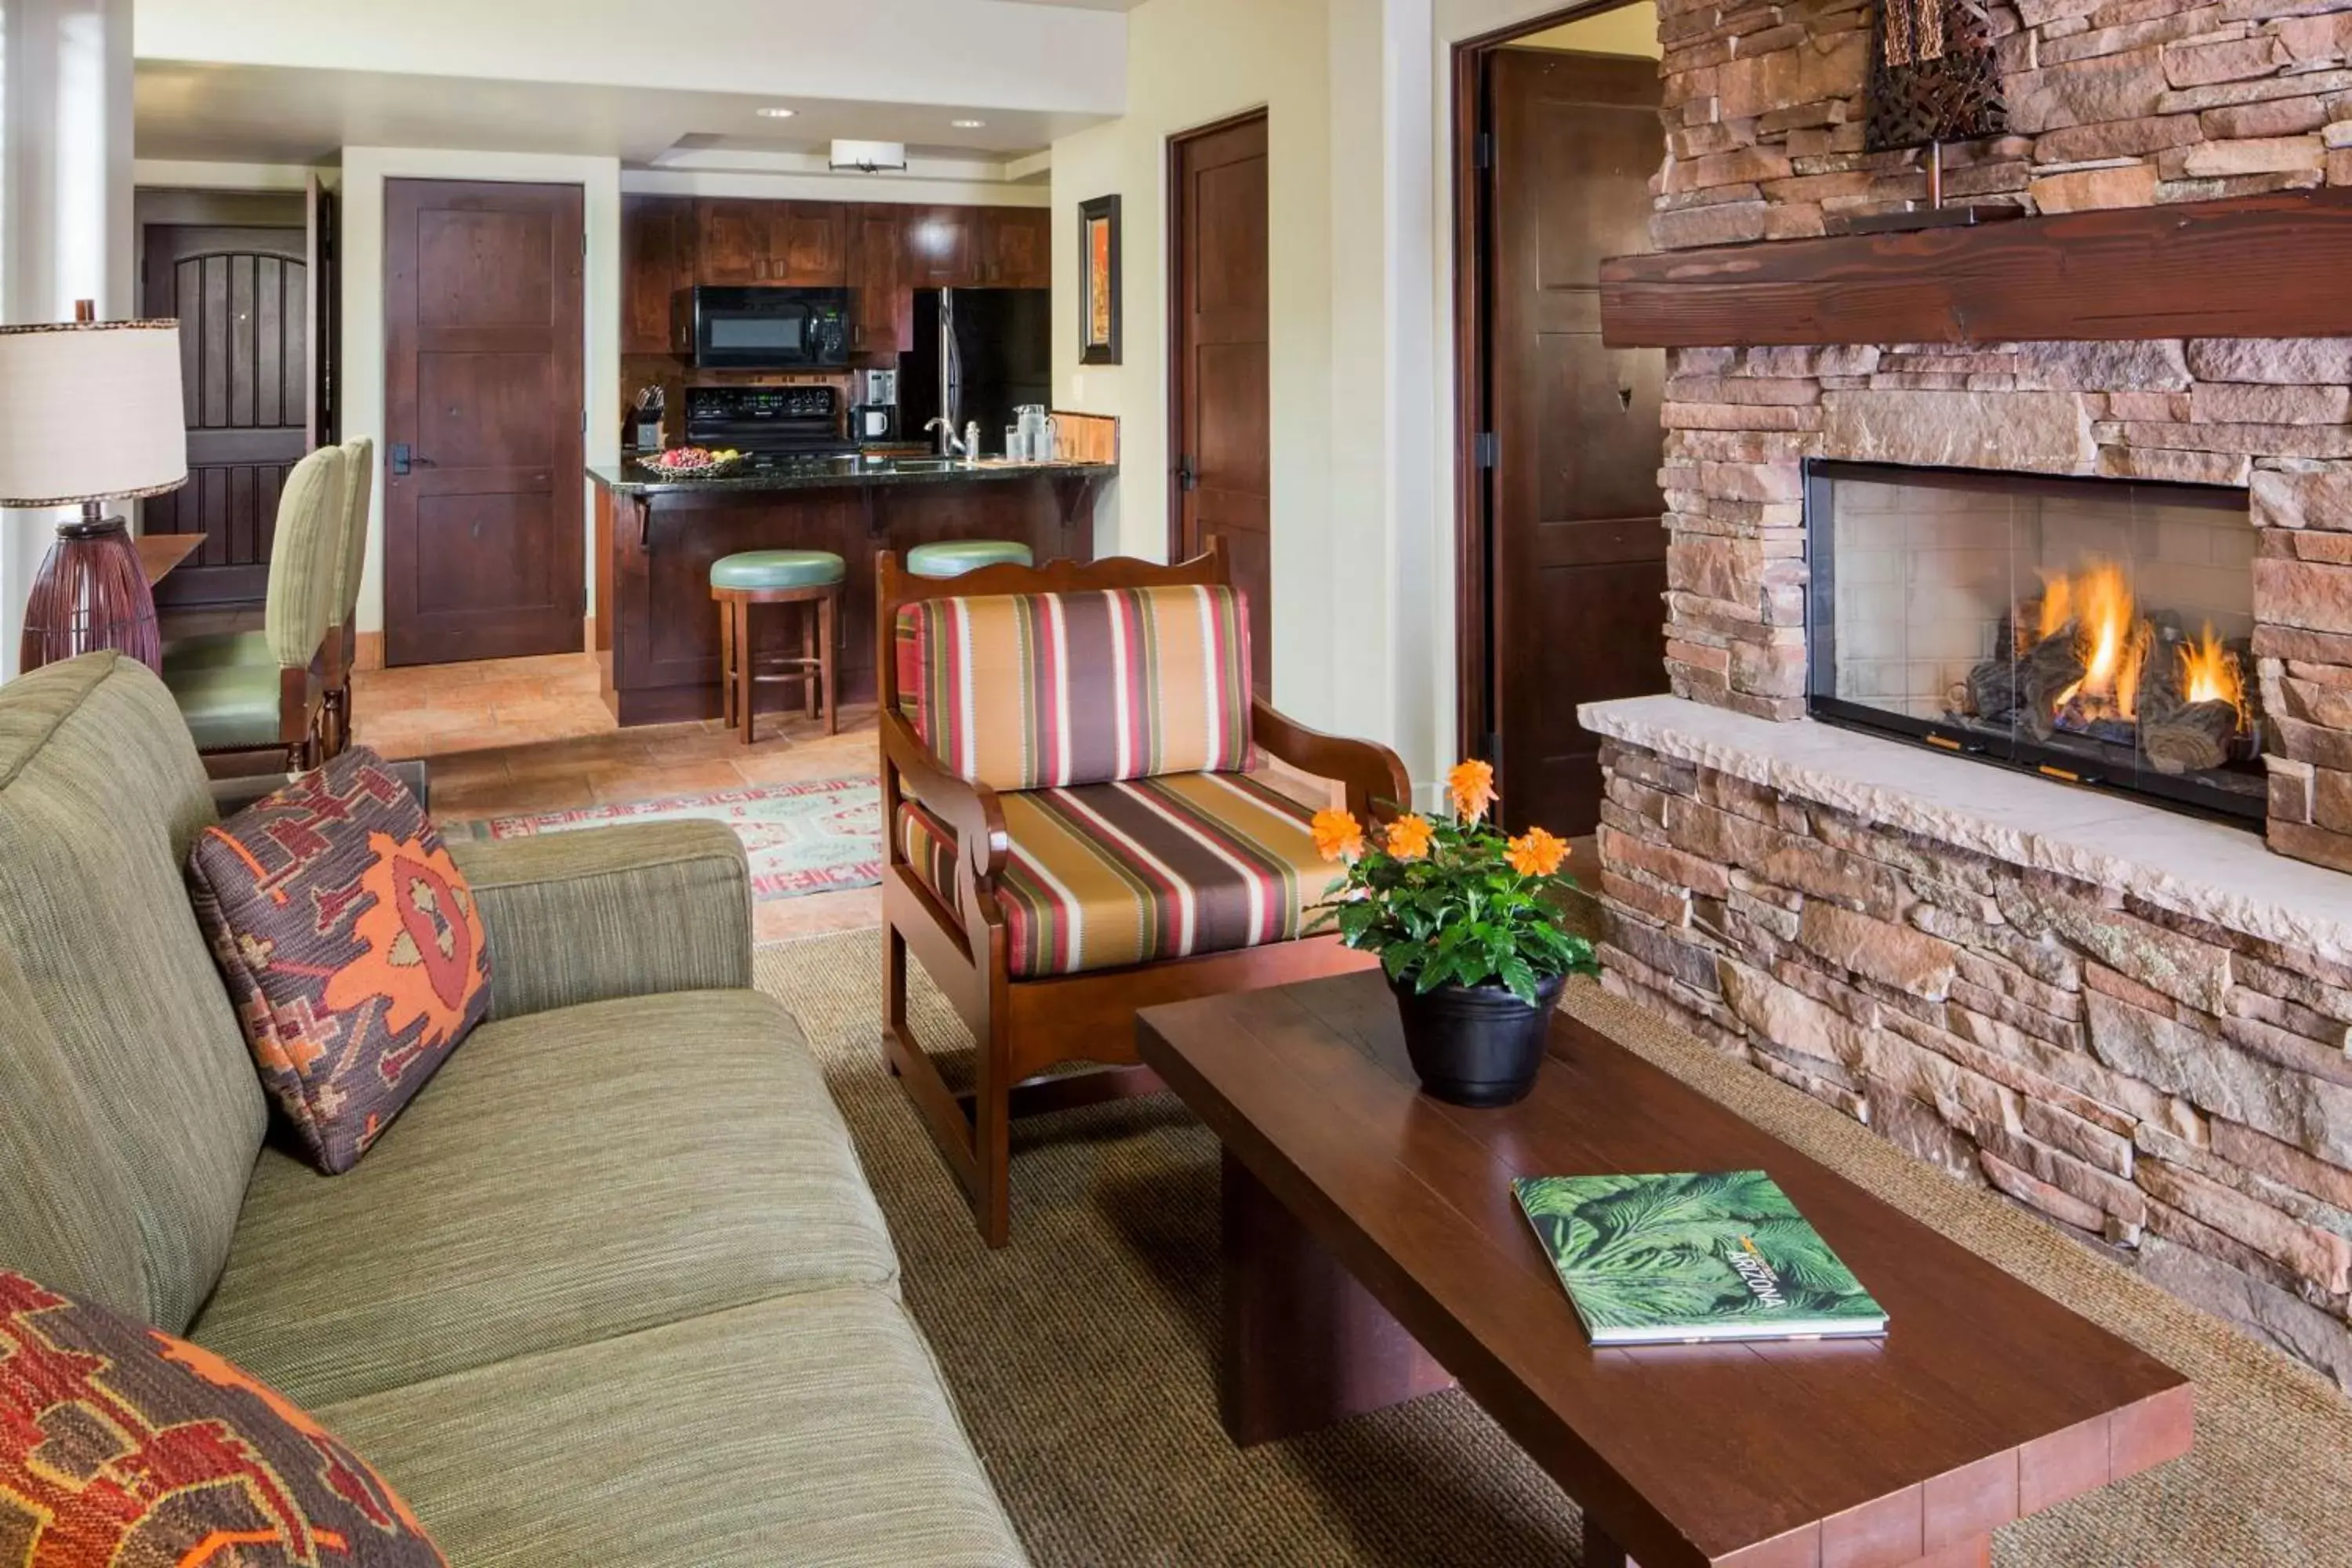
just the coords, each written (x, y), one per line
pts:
(970, 124)
(778, 113)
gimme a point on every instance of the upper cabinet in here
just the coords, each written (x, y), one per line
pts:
(1016, 247)
(657, 261)
(748, 242)
(941, 247)
(881, 303)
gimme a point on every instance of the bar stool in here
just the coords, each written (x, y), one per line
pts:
(810, 578)
(954, 557)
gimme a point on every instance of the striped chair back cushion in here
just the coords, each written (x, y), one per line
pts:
(1052, 691)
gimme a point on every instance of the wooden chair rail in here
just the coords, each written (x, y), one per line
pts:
(1374, 775)
(2248, 267)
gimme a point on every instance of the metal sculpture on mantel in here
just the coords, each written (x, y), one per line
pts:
(1932, 80)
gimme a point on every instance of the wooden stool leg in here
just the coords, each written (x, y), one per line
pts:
(809, 616)
(747, 695)
(726, 663)
(828, 639)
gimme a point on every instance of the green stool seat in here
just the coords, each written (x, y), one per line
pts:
(228, 707)
(759, 569)
(954, 557)
(216, 649)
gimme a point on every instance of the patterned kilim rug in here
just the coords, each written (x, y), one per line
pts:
(1083, 1354)
(816, 837)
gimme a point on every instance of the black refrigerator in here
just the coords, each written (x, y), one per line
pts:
(979, 355)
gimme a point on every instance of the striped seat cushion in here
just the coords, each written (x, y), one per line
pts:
(1049, 690)
(1141, 870)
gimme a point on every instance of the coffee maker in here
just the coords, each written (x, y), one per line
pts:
(873, 417)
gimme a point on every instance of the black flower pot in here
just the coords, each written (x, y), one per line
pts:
(1477, 1045)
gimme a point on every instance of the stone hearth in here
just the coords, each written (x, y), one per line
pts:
(2133, 1022)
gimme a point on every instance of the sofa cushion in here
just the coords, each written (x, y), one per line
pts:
(1137, 872)
(812, 1429)
(122, 1445)
(350, 945)
(101, 794)
(567, 1176)
(1032, 691)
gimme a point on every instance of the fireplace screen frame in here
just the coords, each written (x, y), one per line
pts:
(2018, 750)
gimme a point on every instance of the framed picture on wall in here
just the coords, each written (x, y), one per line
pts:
(1099, 325)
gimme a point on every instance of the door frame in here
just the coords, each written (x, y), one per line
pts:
(1179, 371)
(1475, 668)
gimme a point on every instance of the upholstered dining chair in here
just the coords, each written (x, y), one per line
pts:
(1078, 827)
(235, 703)
(340, 650)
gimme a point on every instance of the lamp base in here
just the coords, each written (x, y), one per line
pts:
(91, 594)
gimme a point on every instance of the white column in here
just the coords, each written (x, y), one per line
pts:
(65, 203)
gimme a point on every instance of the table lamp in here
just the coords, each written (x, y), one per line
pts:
(90, 412)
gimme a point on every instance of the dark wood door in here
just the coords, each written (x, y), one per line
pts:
(1225, 462)
(883, 303)
(808, 245)
(942, 247)
(731, 242)
(1577, 553)
(656, 256)
(243, 299)
(1016, 247)
(484, 556)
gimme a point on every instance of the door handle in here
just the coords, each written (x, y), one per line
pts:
(404, 456)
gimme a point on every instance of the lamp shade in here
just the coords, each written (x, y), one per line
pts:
(91, 411)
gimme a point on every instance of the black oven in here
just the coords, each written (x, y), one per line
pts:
(770, 329)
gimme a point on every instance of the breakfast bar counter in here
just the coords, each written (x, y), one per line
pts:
(657, 535)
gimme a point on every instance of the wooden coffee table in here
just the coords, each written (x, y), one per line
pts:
(1373, 1253)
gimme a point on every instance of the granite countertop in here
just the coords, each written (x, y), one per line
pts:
(629, 477)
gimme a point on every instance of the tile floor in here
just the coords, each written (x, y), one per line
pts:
(512, 737)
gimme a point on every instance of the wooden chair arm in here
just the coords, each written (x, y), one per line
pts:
(1370, 772)
(970, 810)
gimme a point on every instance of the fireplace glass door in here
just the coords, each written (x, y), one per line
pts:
(2098, 631)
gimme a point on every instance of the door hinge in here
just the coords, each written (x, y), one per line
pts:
(1481, 151)
(1490, 450)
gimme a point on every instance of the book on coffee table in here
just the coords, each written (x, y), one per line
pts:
(1714, 1255)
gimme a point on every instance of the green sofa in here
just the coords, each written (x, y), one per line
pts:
(611, 1290)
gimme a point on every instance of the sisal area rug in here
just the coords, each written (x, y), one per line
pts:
(1083, 1355)
(820, 837)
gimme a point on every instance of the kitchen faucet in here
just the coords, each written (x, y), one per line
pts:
(948, 445)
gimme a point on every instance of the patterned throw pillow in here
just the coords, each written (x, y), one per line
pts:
(119, 1444)
(351, 947)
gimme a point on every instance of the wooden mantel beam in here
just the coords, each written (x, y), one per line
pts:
(2275, 266)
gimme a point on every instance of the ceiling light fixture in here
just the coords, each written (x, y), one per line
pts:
(970, 124)
(778, 113)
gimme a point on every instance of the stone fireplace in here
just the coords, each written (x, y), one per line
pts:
(2131, 1017)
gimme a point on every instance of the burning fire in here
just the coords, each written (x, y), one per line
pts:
(2207, 673)
(2116, 642)
(2115, 637)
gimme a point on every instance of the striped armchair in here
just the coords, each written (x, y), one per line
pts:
(1078, 829)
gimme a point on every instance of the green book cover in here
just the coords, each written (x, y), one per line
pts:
(1716, 1255)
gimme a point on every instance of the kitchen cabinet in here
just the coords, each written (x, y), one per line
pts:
(881, 303)
(808, 245)
(942, 247)
(804, 244)
(1016, 247)
(657, 261)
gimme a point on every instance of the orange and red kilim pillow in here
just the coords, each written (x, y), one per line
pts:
(352, 948)
(124, 1446)
(1053, 690)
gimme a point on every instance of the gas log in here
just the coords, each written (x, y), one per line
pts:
(2190, 739)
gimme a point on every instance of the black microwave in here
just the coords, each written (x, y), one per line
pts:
(769, 328)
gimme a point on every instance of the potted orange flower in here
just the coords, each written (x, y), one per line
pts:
(1467, 923)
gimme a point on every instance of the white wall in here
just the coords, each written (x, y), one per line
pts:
(914, 51)
(65, 205)
(366, 169)
(1350, 198)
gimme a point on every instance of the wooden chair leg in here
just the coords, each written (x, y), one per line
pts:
(991, 1127)
(747, 704)
(809, 618)
(894, 990)
(726, 663)
(828, 613)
